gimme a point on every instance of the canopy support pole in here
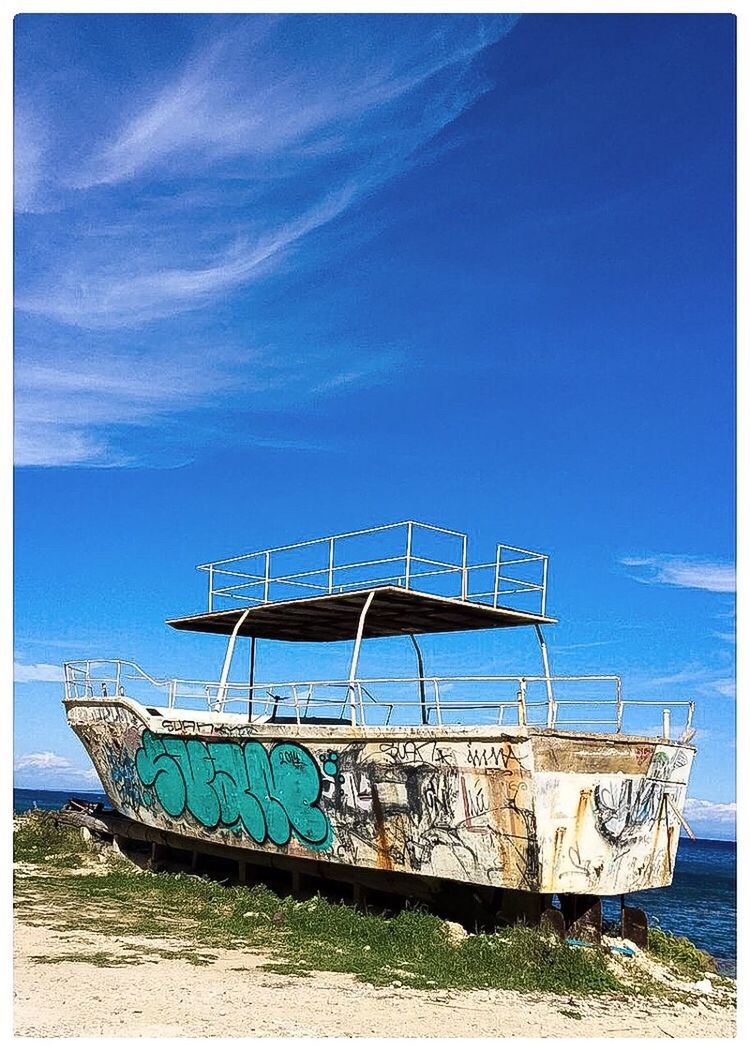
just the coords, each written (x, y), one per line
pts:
(420, 669)
(355, 654)
(251, 680)
(222, 691)
(551, 707)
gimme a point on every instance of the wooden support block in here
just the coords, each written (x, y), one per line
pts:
(522, 906)
(634, 926)
(298, 883)
(242, 872)
(583, 916)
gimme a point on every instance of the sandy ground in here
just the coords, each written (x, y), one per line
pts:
(231, 996)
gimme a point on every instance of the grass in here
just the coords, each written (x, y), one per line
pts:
(411, 948)
(680, 954)
(37, 840)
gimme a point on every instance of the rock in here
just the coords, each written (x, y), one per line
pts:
(277, 918)
(703, 986)
(396, 984)
(249, 915)
(456, 933)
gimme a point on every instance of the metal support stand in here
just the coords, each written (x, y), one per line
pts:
(222, 691)
(251, 681)
(551, 708)
(420, 670)
(355, 655)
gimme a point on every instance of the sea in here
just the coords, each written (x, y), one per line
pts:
(700, 905)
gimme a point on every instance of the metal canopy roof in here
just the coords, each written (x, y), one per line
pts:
(334, 618)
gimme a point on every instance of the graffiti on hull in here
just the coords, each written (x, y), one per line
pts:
(426, 807)
(477, 810)
(272, 795)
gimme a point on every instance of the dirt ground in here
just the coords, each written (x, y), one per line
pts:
(58, 992)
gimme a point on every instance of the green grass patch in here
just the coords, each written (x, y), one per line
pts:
(98, 959)
(412, 948)
(679, 954)
(39, 840)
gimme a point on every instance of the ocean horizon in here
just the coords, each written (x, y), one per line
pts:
(685, 908)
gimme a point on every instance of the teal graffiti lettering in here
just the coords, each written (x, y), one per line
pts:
(271, 795)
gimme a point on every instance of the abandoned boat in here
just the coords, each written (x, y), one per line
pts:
(530, 784)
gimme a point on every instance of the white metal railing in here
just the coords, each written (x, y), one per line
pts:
(409, 554)
(504, 700)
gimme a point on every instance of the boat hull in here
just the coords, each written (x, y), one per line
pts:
(544, 811)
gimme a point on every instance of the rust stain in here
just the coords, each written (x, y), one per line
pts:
(383, 859)
(667, 866)
(583, 801)
(506, 797)
(559, 837)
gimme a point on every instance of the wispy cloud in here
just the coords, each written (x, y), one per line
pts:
(698, 679)
(30, 147)
(205, 184)
(37, 673)
(727, 687)
(238, 97)
(683, 572)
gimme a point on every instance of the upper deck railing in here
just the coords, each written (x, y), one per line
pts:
(411, 555)
(580, 702)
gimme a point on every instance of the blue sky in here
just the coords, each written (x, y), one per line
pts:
(278, 277)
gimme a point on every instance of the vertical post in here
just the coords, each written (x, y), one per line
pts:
(409, 530)
(498, 556)
(251, 680)
(330, 566)
(420, 670)
(665, 721)
(222, 691)
(355, 656)
(545, 564)
(551, 706)
(361, 704)
(521, 699)
(464, 568)
(438, 711)
(620, 705)
(268, 574)
(211, 588)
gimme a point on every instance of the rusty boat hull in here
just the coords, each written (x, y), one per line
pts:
(525, 808)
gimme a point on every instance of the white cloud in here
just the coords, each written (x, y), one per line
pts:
(683, 572)
(42, 761)
(48, 770)
(707, 817)
(37, 673)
